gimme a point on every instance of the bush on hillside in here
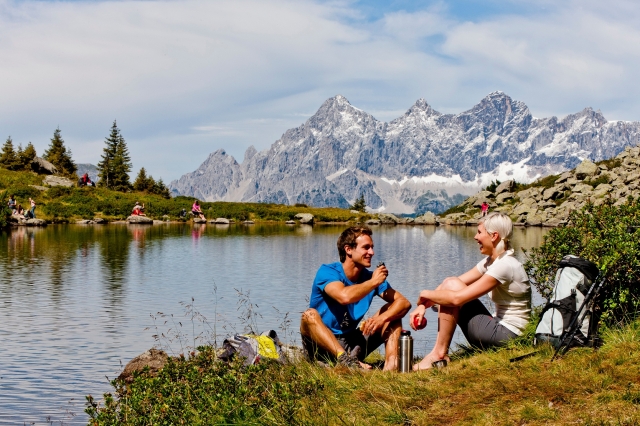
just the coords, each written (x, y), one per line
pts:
(608, 236)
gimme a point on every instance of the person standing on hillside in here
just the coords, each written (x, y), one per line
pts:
(484, 208)
(341, 295)
(32, 211)
(12, 204)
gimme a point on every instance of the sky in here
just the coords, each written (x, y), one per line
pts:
(185, 78)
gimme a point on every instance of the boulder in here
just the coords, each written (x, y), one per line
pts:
(631, 177)
(501, 198)
(586, 169)
(602, 189)
(199, 220)
(100, 221)
(533, 220)
(304, 218)
(39, 188)
(506, 186)
(524, 209)
(564, 177)
(553, 222)
(388, 219)
(426, 219)
(158, 222)
(58, 181)
(85, 222)
(552, 193)
(583, 188)
(354, 212)
(248, 222)
(155, 359)
(371, 222)
(35, 222)
(220, 221)
(290, 222)
(141, 220)
(409, 220)
(43, 167)
(484, 194)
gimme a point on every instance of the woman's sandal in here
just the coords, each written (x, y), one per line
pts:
(441, 363)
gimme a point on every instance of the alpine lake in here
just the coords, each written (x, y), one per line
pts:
(77, 302)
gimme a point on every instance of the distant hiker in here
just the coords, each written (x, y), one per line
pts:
(85, 180)
(12, 204)
(183, 213)
(31, 214)
(341, 295)
(138, 210)
(484, 208)
(196, 210)
(19, 212)
(499, 274)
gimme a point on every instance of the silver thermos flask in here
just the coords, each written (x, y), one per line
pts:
(405, 352)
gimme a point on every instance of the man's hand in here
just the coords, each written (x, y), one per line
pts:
(424, 300)
(379, 275)
(417, 313)
(372, 325)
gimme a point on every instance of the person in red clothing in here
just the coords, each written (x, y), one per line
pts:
(138, 210)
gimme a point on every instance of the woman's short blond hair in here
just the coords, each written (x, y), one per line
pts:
(501, 224)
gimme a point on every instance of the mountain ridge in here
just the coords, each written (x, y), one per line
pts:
(341, 152)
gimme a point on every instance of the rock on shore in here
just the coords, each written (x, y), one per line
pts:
(140, 220)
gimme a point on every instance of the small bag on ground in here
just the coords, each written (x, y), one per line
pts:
(574, 280)
(253, 348)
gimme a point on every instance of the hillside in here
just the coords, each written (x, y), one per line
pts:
(550, 200)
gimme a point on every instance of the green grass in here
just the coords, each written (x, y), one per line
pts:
(60, 204)
(481, 388)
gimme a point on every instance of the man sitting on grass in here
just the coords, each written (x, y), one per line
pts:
(341, 295)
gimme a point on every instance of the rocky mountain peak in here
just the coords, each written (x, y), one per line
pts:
(417, 162)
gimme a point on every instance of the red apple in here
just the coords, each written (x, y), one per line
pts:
(419, 325)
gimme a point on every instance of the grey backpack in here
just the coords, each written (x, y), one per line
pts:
(570, 317)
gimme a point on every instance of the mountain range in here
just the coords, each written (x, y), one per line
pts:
(421, 161)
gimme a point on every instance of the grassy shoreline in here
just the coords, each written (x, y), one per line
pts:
(584, 386)
(68, 205)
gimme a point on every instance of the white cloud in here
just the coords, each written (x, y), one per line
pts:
(229, 74)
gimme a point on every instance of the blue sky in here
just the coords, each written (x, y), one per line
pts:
(185, 78)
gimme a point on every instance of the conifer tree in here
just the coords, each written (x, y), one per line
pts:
(142, 182)
(8, 157)
(113, 170)
(360, 205)
(58, 155)
(26, 156)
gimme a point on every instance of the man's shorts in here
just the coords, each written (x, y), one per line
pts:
(348, 341)
(480, 328)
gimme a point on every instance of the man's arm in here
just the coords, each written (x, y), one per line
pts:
(345, 295)
(397, 308)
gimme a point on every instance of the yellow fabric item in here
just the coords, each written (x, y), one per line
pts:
(266, 347)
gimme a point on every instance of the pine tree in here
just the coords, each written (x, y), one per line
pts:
(161, 189)
(60, 156)
(142, 182)
(9, 158)
(113, 170)
(26, 156)
(360, 205)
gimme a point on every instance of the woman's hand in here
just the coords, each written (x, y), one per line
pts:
(415, 317)
(424, 300)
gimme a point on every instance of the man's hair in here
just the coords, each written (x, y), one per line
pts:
(348, 238)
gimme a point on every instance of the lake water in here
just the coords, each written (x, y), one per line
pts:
(78, 302)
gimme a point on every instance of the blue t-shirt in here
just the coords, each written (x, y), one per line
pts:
(341, 319)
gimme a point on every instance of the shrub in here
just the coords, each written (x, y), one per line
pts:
(203, 391)
(607, 236)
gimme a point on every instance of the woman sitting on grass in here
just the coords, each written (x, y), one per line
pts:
(500, 274)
